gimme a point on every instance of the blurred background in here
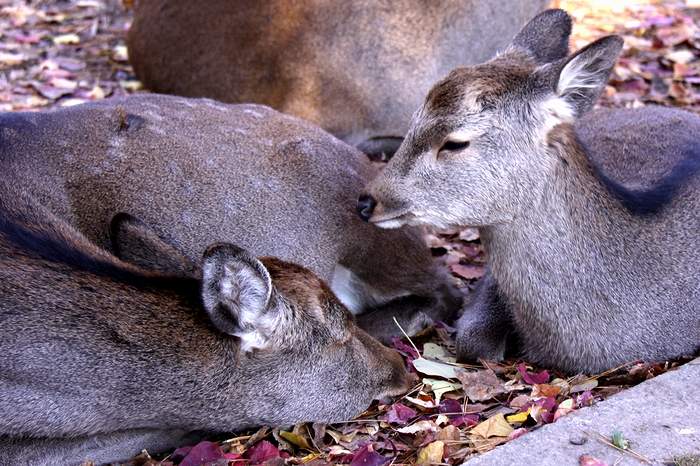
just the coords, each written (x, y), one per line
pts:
(60, 53)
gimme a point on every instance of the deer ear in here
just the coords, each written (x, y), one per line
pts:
(583, 76)
(136, 243)
(236, 292)
(545, 37)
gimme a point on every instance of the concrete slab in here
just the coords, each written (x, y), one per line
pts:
(660, 418)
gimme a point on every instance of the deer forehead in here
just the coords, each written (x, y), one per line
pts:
(472, 90)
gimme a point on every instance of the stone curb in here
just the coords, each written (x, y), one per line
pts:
(659, 417)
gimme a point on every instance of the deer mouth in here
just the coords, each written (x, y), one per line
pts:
(391, 220)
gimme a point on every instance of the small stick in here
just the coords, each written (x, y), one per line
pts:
(601, 438)
(407, 337)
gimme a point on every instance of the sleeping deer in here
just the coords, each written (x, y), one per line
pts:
(96, 352)
(198, 171)
(590, 219)
(358, 69)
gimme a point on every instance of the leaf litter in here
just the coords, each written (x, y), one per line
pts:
(61, 53)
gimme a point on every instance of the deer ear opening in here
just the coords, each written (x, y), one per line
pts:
(584, 75)
(236, 293)
(545, 37)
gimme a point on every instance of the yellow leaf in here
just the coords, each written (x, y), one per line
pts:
(295, 439)
(495, 426)
(431, 453)
(519, 417)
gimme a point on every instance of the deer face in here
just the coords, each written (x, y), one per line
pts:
(477, 150)
(307, 358)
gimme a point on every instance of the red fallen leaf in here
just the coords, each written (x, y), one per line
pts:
(261, 452)
(202, 453)
(584, 399)
(366, 456)
(543, 410)
(399, 414)
(588, 460)
(450, 407)
(179, 454)
(405, 349)
(532, 377)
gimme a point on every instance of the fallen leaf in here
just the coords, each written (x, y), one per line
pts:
(431, 453)
(420, 426)
(438, 353)
(481, 385)
(531, 377)
(366, 456)
(518, 418)
(564, 408)
(437, 368)
(449, 433)
(295, 439)
(495, 426)
(440, 387)
(405, 349)
(588, 385)
(261, 452)
(400, 414)
(427, 404)
(454, 411)
(202, 453)
(543, 389)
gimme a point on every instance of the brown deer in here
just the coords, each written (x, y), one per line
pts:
(197, 172)
(590, 220)
(358, 69)
(97, 353)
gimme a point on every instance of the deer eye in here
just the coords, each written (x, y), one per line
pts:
(454, 146)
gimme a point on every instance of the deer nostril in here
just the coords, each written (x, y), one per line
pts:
(365, 206)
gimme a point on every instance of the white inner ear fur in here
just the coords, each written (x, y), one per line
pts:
(251, 291)
(578, 74)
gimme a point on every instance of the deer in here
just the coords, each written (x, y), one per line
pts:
(101, 358)
(296, 57)
(589, 218)
(196, 171)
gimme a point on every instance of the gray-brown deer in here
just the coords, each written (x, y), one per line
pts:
(98, 354)
(197, 171)
(590, 220)
(358, 68)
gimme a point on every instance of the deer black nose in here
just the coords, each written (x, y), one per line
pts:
(365, 206)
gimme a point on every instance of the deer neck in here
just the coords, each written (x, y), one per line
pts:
(573, 235)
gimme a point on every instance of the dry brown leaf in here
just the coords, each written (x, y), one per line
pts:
(495, 426)
(431, 453)
(481, 385)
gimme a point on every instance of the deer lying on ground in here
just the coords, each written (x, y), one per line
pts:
(196, 172)
(93, 346)
(358, 69)
(590, 221)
